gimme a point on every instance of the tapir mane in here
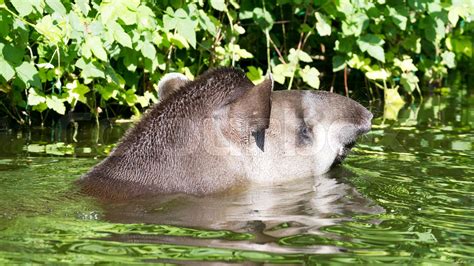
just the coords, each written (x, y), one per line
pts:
(209, 91)
(194, 101)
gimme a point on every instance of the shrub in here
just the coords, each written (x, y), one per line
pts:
(107, 56)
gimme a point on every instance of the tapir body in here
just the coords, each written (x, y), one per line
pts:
(221, 131)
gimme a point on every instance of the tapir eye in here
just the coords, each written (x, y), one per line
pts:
(305, 135)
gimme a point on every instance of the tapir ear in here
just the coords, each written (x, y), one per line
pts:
(170, 83)
(253, 108)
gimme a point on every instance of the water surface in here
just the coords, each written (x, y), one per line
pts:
(405, 195)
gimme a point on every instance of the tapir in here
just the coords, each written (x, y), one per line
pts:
(221, 132)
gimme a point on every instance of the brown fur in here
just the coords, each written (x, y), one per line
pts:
(221, 132)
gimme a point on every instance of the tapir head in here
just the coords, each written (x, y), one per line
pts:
(279, 135)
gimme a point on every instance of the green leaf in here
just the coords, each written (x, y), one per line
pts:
(6, 22)
(186, 28)
(48, 29)
(409, 81)
(298, 55)
(90, 70)
(206, 23)
(120, 35)
(377, 52)
(218, 5)
(53, 102)
(355, 24)
(94, 43)
(398, 19)
(448, 59)
(406, 65)
(380, 74)
(35, 98)
(29, 74)
(23, 7)
(107, 92)
(435, 29)
(76, 93)
(310, 76)
(13, 55)
(303, 56)
(83, 6)
(56, 6)
(130, 97)
(255, 74)
(392, 97)
(372, 44)
(130, 61)
(148, 50)
(323, 24)
(263, 18)
(143, 101)
(6, 70)
(184, 24)
(338, 63)
(281, 71)
(178, 40)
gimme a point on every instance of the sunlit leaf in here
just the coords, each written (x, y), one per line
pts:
(89, 69)
(372, 44)
(255, 74)
(263, 18)
(6, 70)
(323, 24)
(28, 74)
(23, 7)
(448, 59)
(94, 43)
(53, 102)
(381, 74)
(218, 4)
(34, 98)
(83, 6)
(406, 65)
(121, 36)
(56, 6)
(310, 76)
(148, 50)
(409, 81)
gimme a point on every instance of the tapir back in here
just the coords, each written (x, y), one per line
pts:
(168, 150)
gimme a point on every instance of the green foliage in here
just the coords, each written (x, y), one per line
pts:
(104, 55)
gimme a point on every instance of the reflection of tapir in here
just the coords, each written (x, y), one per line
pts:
(220, 132)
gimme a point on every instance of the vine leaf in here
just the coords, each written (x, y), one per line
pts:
(28, 74)
(372, 44)
(6, 70)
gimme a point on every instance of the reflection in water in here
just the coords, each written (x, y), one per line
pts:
(408, 198)
(267, 212)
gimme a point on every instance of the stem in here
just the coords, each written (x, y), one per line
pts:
(18, 17)
(232, 38)
(346, 88)
(300, 43)
(419, 91)
(280, 56)
(9, 113)
(267, 36)
(291, 80)
(283, 29)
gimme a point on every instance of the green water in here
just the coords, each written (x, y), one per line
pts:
(405, 195)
